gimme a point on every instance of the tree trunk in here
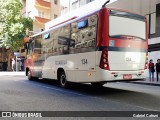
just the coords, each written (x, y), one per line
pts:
(9, 60)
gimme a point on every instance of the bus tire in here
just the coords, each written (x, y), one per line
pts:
(97, 84)
(30, 77)
(63, 80)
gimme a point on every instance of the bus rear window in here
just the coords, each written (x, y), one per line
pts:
(123, 26)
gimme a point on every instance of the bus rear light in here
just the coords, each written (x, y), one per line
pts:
(105, 55)
(146, 64)
(104, 60)
(105, 65)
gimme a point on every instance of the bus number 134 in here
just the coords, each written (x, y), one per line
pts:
(84, 61)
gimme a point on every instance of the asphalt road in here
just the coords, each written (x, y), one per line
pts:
(19, 94)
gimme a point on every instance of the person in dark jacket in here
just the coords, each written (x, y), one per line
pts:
(151, 70)
(158, 69)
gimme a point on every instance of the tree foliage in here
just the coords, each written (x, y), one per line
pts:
(12, 24)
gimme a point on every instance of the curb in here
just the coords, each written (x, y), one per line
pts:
(145, 83)
(12, 73)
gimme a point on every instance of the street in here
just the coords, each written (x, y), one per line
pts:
(19, 94)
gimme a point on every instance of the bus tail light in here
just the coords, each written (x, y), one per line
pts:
(104, 60)
(146, 63)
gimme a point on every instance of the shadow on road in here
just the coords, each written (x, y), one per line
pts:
(86, 88)
(130, 96)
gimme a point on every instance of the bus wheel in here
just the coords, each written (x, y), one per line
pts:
(63, 80)
(97, 84)
(30, 76)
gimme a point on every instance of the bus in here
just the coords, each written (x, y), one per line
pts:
(106, 45)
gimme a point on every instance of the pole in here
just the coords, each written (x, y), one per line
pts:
(16, 65)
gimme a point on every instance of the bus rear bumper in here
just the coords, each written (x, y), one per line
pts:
(113, 76)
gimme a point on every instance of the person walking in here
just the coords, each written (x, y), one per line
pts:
(158, 69)
(151, 70)
(22, 65)
(13, 64)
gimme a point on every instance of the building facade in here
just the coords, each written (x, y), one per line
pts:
(41, 11)
(73, 5)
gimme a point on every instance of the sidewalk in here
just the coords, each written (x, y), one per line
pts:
(147, 82)
(12, 73)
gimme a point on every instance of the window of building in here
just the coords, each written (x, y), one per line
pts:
(153, 23)
(82, 2)
(151, 19)
(56, 2)
(29, 14)
(41, 14)
(75, 5)
(89, 1)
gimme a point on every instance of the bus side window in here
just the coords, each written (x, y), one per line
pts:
(92, 20)
(86, 35)
(38, 44)
(29, 47)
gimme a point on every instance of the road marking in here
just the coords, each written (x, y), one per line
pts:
(86, 95)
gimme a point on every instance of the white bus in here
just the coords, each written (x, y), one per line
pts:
(107, 45)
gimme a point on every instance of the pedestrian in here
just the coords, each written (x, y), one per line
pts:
(158, 69)
(22, 65)
(151, 70)
(13, 64)
(19, 65)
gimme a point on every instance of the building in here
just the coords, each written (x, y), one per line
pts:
(73, 5)
(76, 8)
(41, 11)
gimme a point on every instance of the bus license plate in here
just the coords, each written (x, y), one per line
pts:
(127, 76)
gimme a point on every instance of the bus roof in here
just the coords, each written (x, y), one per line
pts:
(66, 23)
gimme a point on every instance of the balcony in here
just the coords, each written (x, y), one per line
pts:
(41, 20)
(43, 4)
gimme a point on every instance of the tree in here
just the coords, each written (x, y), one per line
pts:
(12, 25)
